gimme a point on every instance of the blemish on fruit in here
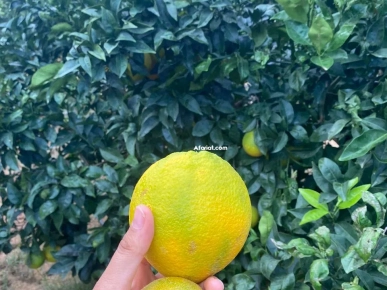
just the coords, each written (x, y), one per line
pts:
(144, 192)
(192, 247)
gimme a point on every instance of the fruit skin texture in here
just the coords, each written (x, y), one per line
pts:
(172, 283)
(35, 260)
(249, 145)
(254, 216)
(202, 214)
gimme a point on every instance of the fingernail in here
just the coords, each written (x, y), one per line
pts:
(218, 284)
(139, 219)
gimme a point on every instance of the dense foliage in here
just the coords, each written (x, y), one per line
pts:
(92, 93)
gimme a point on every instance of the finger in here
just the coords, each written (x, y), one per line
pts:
(212, 283)
(143, 276)
(159, 276)
(130, 252)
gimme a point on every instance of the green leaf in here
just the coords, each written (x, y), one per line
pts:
(375, 123)
(381, 53)
(297, 79)
(108, 21)
(85, 63)
(110, 173)
(362, 144)
(161, 35)
(198, 35)
(130, 143)
(61, 27)
(105, 186)
(171, 8)
(7, 138)
(354, 195)
(109, 47)
(376, 32)
(381, 268)
(69, 67)
(283, 282)
(243, 281)
(11, 160)
(299, 133)
(319, 271)
(191, 104)
(322, 236)
(341, 189)
(313, 215)
(97, 52)
(366, 278)
(44, 74)
(259, 34)
(378, 277)
(280, 142)
(371, 199)
(298, 32)
(205, 17)
(111, 155)
(312, 197)
(320, 33)
(125, 36)
(13, 194)
(203, 66)
(139, 47)
(367, 243)
(302, 246)
(338, 54)
(266, 224)
(118, 65)
(268, 265)
(243, 67)
(147, 126)
(341, 36)
(323, 61)
(337, 127)
(170, 135)
(297, 10)
(351, 260)
(74, 181)
(231, 152)
(216, 136)
(202, 128)
(115, 7)
(103, 206)
(47, 208)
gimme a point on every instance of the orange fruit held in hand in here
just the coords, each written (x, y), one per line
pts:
(202, 214)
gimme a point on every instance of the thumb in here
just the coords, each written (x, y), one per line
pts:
(130, 252)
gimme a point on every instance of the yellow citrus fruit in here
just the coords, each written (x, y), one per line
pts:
(161, 52)
(135, 78)
(254, 216)
(249, 145)
(35, 260)
(48, 251)
(172, 283)
(202, 214)
(150, 61)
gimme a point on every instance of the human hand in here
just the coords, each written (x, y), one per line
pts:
(128, 270)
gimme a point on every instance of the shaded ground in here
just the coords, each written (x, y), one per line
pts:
(15, 275)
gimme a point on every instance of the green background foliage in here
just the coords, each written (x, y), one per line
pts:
(307, 76)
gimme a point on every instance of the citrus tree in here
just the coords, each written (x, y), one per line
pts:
(92, 93)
